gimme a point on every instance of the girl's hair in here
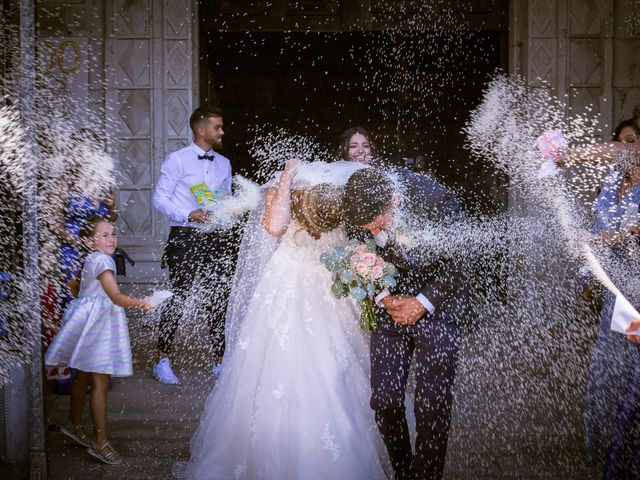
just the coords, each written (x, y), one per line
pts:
(87, 230)
(88, 227)
(625, 123)
(318, 209)
(345, 138)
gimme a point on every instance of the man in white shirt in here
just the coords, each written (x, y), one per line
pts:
(197, 254)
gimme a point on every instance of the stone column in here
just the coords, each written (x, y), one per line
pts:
(27, 52)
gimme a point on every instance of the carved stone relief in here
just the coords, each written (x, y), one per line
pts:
(585, 61)
(177, 112)
(134, 161)
(132, 17)
(133, 63)
(134, 113)
(584, 17)
(177, 63)
(177, 14)
(541, 63)
(542, 18)
(136, 218)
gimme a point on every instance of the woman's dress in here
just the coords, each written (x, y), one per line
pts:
(613, 356)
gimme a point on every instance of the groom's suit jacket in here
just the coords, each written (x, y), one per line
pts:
(439, 279)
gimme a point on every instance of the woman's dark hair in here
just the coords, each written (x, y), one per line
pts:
(625, 123)
(345, 138)
(318, 209)
(368, 193)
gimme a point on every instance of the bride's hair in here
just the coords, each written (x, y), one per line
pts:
(318, 209)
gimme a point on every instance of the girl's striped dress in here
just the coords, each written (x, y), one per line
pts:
(94, 336)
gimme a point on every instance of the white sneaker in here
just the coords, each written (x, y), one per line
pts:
(163, 373)
(217, 370)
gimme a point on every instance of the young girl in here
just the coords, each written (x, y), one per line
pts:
(94, 338)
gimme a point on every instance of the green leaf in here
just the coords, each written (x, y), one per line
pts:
(339, 289)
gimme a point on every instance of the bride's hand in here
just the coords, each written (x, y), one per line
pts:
(291, 167)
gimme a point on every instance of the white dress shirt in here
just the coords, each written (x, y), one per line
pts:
(180, 171)
(381, 240)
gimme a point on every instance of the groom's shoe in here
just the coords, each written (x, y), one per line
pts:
(163, 373)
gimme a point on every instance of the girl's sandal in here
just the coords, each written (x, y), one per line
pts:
(105, 452)
(76, 433)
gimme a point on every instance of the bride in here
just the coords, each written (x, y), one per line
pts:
(293, 401)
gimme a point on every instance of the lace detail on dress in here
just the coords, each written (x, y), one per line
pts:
(329, 442)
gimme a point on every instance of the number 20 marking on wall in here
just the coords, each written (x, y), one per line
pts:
(57, 57)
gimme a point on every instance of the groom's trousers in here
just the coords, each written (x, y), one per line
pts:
(200, 272)
(434, 341)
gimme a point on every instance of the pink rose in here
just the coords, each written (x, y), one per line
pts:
(377, 271)
(355, 258)
(361, 249)
(369, 259)
(380, 262)
(362, 269)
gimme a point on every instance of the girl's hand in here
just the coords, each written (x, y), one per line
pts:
(146, 305)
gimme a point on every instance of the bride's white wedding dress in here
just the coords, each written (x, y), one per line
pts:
(293, 401)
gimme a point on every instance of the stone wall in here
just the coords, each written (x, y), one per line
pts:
(584, 50)
(129, 65)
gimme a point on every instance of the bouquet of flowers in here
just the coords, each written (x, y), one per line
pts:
(358, 271)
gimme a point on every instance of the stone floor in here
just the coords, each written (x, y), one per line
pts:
(150, 425)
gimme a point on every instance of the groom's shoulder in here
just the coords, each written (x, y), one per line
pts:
(422, 182)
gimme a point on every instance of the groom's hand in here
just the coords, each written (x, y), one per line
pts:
(404, 309)
(633, 326)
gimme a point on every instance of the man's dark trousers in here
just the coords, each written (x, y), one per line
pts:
(200, 271)
(434, 339)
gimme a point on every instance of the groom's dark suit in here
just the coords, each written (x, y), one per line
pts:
(433, 339)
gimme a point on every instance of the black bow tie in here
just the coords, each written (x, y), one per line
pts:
(206, 157)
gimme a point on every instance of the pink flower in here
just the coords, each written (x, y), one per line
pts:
(380, 262)
(369, 259)
(377, 271)
(361, 249)
(355, 258)
(362, 269)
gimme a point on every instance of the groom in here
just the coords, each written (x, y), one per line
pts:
(416, 319)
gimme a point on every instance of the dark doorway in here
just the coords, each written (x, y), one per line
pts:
(412, 90)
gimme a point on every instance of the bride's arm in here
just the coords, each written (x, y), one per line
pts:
(277, 202)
